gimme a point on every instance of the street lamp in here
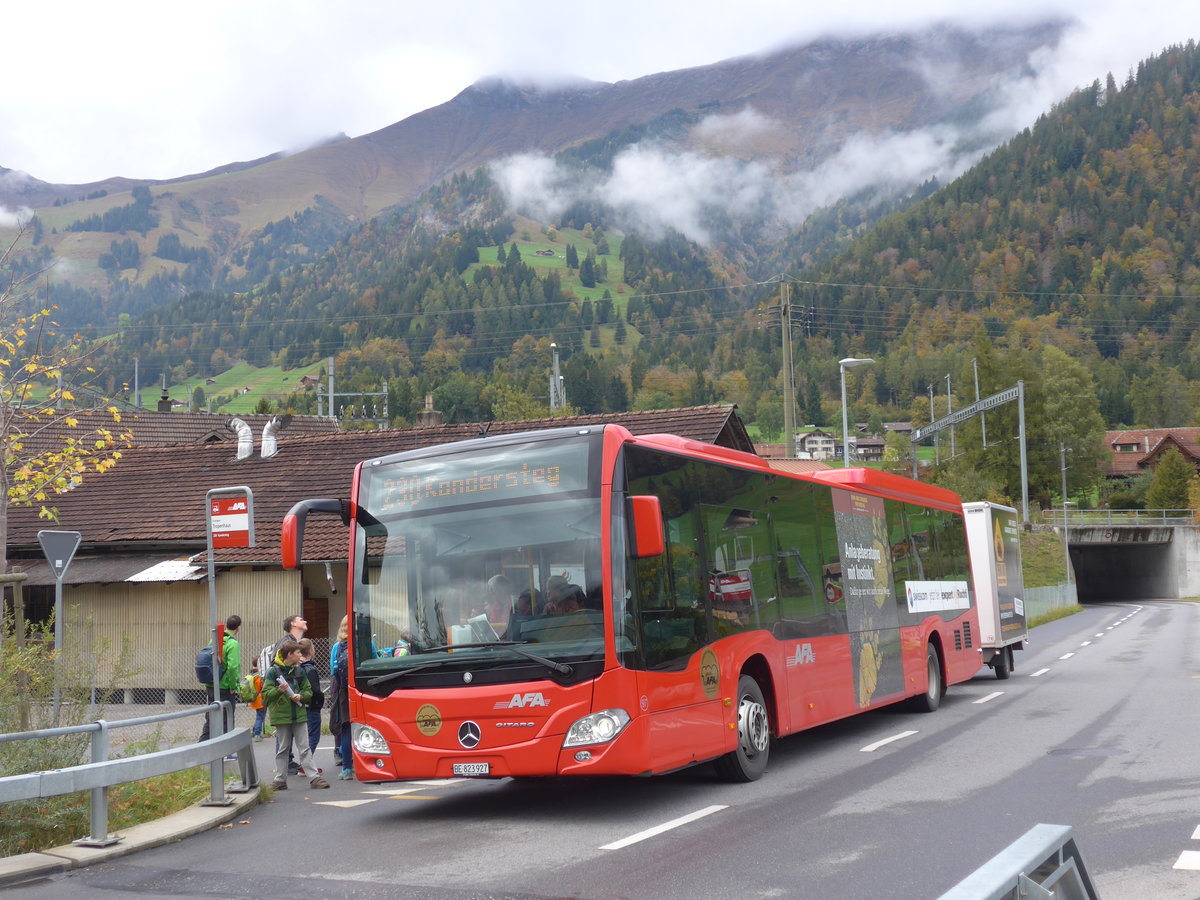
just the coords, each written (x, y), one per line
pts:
(848, 363)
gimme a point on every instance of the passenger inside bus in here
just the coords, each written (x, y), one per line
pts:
(562, 618)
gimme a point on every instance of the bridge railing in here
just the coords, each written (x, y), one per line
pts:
(1119, 517)
(1043, 862)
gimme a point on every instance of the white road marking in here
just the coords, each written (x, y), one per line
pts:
(344, 804)
(666, 826)
(1067, 655)
(992, 696)
(871, 748)
(1188, 859)
(1038, 672)
(397, 790)
(1086, 644)
(1196, 834)
(1099, 635)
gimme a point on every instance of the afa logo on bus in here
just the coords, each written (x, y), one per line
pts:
(520, 701)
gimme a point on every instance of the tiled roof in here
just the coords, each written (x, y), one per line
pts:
(155, 496)
(797, 466)
(1150, 443)
(162, 429)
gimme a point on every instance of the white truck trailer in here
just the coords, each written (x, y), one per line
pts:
(994, 545)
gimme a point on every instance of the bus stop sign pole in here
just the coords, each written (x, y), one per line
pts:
(229, 516)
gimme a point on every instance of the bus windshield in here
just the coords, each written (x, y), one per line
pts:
(482, 560)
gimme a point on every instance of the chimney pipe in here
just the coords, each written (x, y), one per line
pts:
(245, 437)
(270, 446)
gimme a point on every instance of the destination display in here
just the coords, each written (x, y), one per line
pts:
(525, 472)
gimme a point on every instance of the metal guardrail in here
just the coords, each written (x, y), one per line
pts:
(1043, 862)
(1126, 517)
(102, 773)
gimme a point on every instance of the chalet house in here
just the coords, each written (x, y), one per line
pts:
(141, 572)
(868, 449)
(1134, 451)
(816, 444)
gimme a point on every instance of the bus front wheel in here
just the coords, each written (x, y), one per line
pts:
(749, 760)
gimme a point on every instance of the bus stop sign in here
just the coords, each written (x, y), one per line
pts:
(59, 547)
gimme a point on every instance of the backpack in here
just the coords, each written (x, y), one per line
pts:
(318, 696)
(249, 691)
(204, 665)
(266, 659)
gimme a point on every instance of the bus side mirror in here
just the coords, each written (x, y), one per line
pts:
(646, 537)
(292, 537)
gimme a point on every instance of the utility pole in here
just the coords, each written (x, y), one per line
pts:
(558, 393)
(1062, 461)
(937, 438)
(949, 410)
(982, 415)
(789, 385)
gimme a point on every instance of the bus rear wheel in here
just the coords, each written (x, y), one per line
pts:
(931, 699)
(749, 760)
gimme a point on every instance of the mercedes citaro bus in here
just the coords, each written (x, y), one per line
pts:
(584, 601)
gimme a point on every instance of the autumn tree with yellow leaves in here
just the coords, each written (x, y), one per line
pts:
(45, 451)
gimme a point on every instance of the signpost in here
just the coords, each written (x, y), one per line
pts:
(59, 548)
(230, 517)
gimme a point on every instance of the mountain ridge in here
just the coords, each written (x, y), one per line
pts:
(814, 94)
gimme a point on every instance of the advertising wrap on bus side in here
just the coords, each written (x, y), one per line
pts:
(993, 541)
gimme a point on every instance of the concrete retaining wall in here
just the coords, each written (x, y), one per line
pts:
(1039, 601)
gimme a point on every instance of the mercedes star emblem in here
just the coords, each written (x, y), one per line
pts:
(469, 735)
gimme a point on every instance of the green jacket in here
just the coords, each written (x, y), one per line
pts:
(231, 662)
(282, 709)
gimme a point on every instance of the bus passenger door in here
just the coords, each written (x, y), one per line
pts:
(677, 677)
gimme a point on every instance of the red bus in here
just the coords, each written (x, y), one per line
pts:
(584, 601)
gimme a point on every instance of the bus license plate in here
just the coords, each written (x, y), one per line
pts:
(472, 768)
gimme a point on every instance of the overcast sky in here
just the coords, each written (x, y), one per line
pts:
(152, 90)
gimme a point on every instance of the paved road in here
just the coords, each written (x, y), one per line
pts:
(1096, 729)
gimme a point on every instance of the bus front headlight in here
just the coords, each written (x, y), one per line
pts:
(368, 741)
(598, 728)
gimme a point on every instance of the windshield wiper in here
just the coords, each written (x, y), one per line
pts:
(552, 664)
(391, 676)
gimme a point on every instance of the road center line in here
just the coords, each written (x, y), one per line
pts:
(1086, 644)
(666, 826)
(871, 748)
(1038, 672)
(1067, 655)
(992, 696)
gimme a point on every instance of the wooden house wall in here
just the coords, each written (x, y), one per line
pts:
(164, 625)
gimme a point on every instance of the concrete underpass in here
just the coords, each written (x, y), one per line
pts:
(1134, 562)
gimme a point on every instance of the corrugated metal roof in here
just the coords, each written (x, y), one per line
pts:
(170, 571)
(93, 569)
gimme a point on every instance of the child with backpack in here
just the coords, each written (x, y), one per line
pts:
(287, 693)
(252, 686)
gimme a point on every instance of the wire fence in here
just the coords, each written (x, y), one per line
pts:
(133, 697)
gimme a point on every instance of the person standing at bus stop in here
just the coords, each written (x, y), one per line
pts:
(231, 675)
(287, 693)
(294, 629)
